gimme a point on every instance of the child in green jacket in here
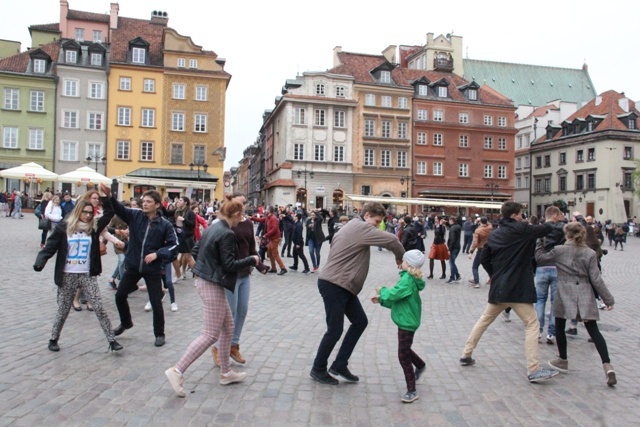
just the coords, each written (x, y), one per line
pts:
(406, 308)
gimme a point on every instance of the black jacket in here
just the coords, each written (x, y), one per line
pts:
(331, 226)
(507, 258)
(57, 242)
(316, 233)
(409, 237)
(454, 237)
(298, 240)
(146, 237)
(216, 255)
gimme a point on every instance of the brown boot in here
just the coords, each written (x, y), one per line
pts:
(216, 356)
(235, 354)
(610, 373)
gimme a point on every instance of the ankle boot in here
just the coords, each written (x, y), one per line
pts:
(610, 373)
(115, 346)
(235, 354)
(53, 345)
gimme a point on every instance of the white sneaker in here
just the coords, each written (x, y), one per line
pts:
(506, 316)
(232, 377)
(147, 307)
(174, 306)
(176, 381)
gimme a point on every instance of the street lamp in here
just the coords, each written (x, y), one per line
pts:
(492, 187)
(204, 169)
(407, 179)
(96, 160)
(304, 172)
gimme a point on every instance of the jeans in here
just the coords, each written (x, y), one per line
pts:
(239, 304)
(168, 281)
(288, 237)
(546, 282)
(118, 272)
(453, 254)
(468, 240)
(314, 252)
(476, 266)
(338, 302)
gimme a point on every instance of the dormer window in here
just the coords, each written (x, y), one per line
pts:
(632, 123)
(442, 91)
(320, 89)
(71, 57)
(39, 66)
(96, 54)
(423, 90)
(138, 55)
(138, 51)
(96, 59)
(589, 126)
(385, 76)
(472, 94)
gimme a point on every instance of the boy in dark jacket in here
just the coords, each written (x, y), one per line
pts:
(298, 246)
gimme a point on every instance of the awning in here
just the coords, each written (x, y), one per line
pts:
(165, 183)
(424, 201)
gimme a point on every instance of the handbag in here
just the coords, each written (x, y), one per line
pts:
(44, 224)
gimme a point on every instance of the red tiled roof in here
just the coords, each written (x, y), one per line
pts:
(18, 63)
(88, 16)
(281, 183)
(131, 28)
(46, 27)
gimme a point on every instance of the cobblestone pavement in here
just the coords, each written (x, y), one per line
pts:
(84, 385)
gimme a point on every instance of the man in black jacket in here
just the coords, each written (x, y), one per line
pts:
(287, 222)
(152, 242)
(507, 258)
(453, 244)
(298, 246)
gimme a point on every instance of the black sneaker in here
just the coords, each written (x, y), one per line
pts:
(291, 267)
(410, 396)
(450, 280)
(418, 373)
(282, 272)
(323, 377)
(345, 374)
(306, 271)
(467, 361)
(572, 331)
(159, 341)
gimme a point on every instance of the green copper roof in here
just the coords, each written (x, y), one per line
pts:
(534, 85)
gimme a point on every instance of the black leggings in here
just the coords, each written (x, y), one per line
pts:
(594, 333)
(408, 358)
(443, 263)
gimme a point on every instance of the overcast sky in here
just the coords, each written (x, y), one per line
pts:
(267, 42)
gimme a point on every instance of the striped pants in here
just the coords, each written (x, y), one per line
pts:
(89, 285)
(218, 326)
(408, 359)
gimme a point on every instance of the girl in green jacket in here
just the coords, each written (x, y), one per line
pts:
(406, 307)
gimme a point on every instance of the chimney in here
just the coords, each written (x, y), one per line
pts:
(159, 17)
(113, 19)
(624, 104)
(429, 39)
(64, 9)
(336, 58)
(390, 53)
(598, 100)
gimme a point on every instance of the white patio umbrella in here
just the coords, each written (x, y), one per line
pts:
(29, 170)
(84, 175)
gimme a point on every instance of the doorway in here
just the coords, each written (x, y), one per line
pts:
(591, 209)
(319, 202)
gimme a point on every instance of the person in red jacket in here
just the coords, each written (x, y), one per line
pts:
(273, 236)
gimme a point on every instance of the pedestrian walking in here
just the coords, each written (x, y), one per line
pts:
(315, 238)
(298, 246)
(439, 250)
(453, 245)
(480, 237)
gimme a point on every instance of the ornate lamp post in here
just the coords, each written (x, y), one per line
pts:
(407, 179)
(96, 160)
(198, 166)
(492, 187)
(304, 172)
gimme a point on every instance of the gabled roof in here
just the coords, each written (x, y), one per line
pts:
(532, 84)
(19, 63)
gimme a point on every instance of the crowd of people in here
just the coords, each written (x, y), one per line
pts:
(528, 262)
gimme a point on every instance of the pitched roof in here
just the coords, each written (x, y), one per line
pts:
(88, 16)
(46, 27)
(131, 28)
(532, 84)
(18, 63)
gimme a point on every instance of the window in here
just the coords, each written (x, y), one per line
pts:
(403, 103)
(318, 152)
(149, 85)
(369, 157)
(80, 34)
(547, 161)
(94, 150)
(338, 153)
(138, 56)
(9, 137)
(538, 186)
(69, 151)
(518, 182)
(463, 170)
(627, 181)
(562, 183)
(320, 118)
(370, 99)
(422, 115)
(438, 115)
(97, 36)
(299, 116)
(437, 168)
(298, 152)
(369, 128)
(193, 63)
(181, 62)
(562, 158)
(365, 190)
(519, 163)
(124, 116)
(39, 66)
(385, 158)
(37, 101)
(632, 123)
(11, 99)
(579, 182)
(437, 139)
(589, 126)
(148, 118)
(122, 152)
(200, 122)
(386, 129)
(579, 156)
(146, 151)
(442, 91)
(177, 122)
(527, 162)
(385, 76)
(519, 141)
(386, 101)
(463, 117)
(199, 154)
(70, 88)
(502, 143)
(502, 172)
(627, 154)
(178, 91)
(421, 168)
(201, 93)
(36, 139)
(96, 59)
(591, 181)
(463, 141)
(70, 119)
(71, 57)
(125, 83)
(95, 121)
(339, 119)
(488, 171)
(422, 138)
(488, 120)
(502, 121)
(319, 89)
(488, 142)
(538, 162)
(96, 90)
(423, 90)
(472, 94)
(591, 154)
(177, 154)
(547, 185)
(402, 159)
(340, 92)
(402, 130)
(526, 182)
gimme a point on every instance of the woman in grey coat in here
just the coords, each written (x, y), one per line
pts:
(578, 277)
